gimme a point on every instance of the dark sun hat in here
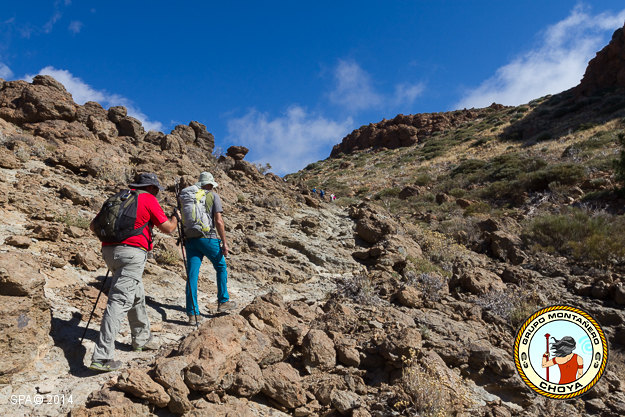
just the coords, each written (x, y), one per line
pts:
(145, 179)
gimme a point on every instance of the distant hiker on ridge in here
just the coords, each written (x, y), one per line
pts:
(202, 222)
(125, 251)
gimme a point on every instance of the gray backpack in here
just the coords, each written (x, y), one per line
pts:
(195, 208)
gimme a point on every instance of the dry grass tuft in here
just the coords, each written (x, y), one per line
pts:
(359, 289)
(424, 395)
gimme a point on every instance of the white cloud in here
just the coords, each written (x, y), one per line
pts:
(288, 142)
(408, 93)
(75, 26)
(57, 15)
(5, 71)
(47, 28)
(556, 65)
(355, 91)
(353, 87)
(82, 92)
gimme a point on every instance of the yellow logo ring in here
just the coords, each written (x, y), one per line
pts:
(531, 384)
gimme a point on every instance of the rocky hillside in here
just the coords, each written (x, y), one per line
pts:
(402, 297)
(515, 208)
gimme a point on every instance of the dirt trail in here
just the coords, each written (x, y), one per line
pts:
(61, 378)
(62, 374)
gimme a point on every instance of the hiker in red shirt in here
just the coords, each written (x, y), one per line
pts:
(126, 261)
(571, 364)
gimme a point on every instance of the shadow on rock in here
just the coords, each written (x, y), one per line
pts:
(66, 335)
(162, 309)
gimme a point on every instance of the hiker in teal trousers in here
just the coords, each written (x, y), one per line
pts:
(196, 250)
(206, 237)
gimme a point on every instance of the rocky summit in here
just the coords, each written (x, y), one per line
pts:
(401, 297)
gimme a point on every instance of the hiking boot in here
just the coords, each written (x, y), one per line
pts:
(192, 320)
(105, 366)
(226, 306)
(151, 344)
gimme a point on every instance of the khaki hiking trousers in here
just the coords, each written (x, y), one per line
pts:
(126, 297)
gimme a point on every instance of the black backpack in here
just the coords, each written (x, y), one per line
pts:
(116, 220)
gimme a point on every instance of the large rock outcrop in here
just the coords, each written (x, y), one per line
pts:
(607, 69)
(44, 99)
(403, 130)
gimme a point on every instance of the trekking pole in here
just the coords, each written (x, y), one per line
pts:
(182, 249)
(95, 305)
(547, 343)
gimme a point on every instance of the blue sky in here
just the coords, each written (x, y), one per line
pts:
(289, 79)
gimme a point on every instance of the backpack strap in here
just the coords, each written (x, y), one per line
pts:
(147, 224)
(208, 203)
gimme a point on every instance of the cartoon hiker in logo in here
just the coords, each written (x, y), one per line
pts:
(571, 365)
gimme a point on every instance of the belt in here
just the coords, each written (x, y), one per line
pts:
(130, 246)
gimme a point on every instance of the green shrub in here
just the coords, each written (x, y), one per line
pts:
(468, 166)
(510, 166)
(586, 126)
(433, 148)
(535, 102)
(619, 164)
(477, 208)
(508, 191)
(424, 266)
(423, 179)
(481, 141)
(457, 192)
(311, 166)
(597, 195)
(69, 219)
(346, 201)
(587, 147)
(580, 234)
(387, 193)
(362, 191)
(512, 190)
(564, 174)
(463, 230)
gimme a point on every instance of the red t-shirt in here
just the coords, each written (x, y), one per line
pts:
(148, 210)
